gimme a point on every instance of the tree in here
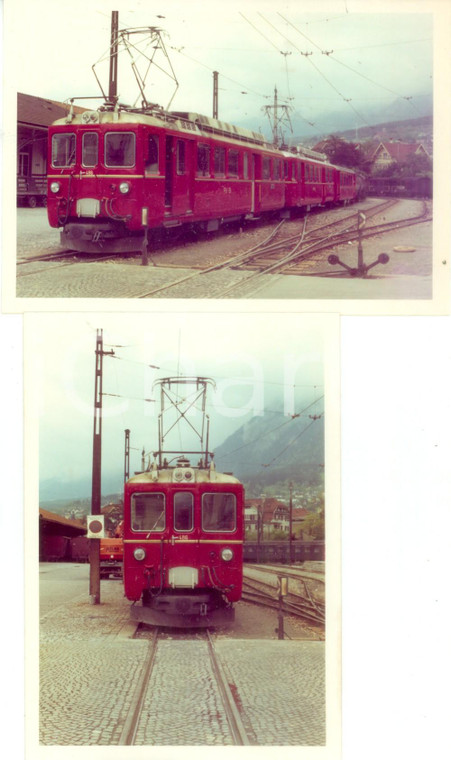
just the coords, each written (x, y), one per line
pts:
(313, 525)
(418, 164)
(343, 153)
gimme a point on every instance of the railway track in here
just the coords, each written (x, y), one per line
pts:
(275, 255)
(299, 605)
(144, 715)
(287, 255)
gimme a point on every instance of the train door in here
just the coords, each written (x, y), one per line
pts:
(179, 176)
(168, 173)
(256, 187)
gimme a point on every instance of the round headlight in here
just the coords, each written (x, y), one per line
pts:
(227, 555)
(55, 187)
(124, 188)
(139, 554)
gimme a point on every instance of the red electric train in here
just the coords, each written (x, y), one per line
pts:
(183, 528)
(117, 173)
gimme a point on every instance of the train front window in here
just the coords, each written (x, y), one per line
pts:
(183, 511)
(120, 149)
(148, 512)
(90, 149)
(218, 512)
(63, 150)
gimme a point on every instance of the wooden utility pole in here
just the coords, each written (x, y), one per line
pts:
(94, 543)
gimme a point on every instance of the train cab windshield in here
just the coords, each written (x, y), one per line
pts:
(148, 511)
(183, 511)
(63, 150)
(120, 149)
(218, 512)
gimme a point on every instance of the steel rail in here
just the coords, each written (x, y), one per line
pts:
(233, 261)
(235, 723)
(293, 257)
(293, 604)
(288, 607)
(289, 570)
(128, 735)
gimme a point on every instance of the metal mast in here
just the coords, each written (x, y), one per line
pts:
(279, 117)
(215, 94)
(127, 456)
(112, 82)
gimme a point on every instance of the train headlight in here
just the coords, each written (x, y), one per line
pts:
(139, 554)
(124, 188)
(55, 187)
(227, 555)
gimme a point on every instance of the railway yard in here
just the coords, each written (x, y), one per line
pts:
(274, 260)
(107, 681)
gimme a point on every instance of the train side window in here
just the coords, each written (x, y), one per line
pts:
(219, 162)
(218, 512)
(183, 511)
(180, 157)
(233, 163)
(266, 169)
(90, 149)
(203, 160)
(63, 149)
(246, 165)
(276, 173)
(148, 511)
(120, 149)
(152, 155)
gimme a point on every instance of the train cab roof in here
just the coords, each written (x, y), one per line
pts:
(185, 475)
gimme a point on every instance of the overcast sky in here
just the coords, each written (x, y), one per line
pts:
(347, 54)
(258, 362)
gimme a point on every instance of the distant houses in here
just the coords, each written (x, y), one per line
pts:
(270, 514)
(397, 152)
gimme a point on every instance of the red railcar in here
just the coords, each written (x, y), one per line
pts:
(183, 545)
(115, 174)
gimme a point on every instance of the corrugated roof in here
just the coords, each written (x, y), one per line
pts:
(51, 517)
(40, 112)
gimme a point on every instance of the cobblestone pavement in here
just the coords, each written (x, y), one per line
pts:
(90, 669)
(182, 703)
(281, 688)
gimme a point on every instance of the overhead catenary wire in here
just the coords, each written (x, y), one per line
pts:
(290, 444)
(273, 430)
(329, 54)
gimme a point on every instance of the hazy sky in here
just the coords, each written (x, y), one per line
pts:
(322, 56)
(258, 361)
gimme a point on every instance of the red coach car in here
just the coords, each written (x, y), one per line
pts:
(116, 174)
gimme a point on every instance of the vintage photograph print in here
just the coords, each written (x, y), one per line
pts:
(182, 533)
